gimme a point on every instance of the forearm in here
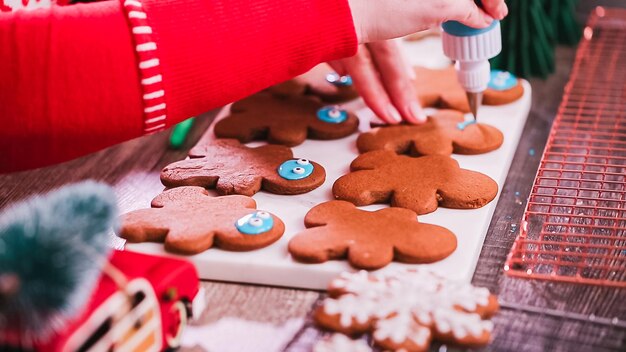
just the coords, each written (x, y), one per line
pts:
(72, 81)
(238, 47)
(68, 84)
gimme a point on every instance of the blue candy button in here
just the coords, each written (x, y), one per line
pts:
(255, 223)
(296, 169)
(502, 80)
(338, 80)
(332, 114)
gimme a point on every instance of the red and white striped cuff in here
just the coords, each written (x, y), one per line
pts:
(153, 93)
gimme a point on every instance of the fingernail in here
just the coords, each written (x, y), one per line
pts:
(393, 113)
(417, 112)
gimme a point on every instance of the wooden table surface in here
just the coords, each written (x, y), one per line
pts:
(536, 315)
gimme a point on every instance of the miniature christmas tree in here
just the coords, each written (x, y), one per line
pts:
(561, 14)
(52, 249)
(527, 40)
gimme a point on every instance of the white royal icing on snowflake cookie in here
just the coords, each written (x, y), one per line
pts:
(361, 282)
(407, 304)
(341, 343)
(400, 328)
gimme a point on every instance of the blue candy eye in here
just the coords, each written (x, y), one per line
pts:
(338, 80)
(502, 80)
(332, 114)
(255, 223)
(295, 169)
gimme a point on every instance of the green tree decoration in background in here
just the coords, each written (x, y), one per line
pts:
(52, 249)
(530, 33)
(566, 29)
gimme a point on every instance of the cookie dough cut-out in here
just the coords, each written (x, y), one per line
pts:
(233, 168)
(369, 240)
(321, 81)
(189, 221)
(442, 134)
(289, 121)
(419, 184)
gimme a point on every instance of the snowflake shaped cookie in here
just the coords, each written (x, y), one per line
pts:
(408, 308)
(341, 343)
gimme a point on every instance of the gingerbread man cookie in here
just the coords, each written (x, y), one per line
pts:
(504, 88)
(370, 240)
(444, 133)
(419, 184)
(322, 82)
(232, 168)
(189, 221)
(440, 88)
(406, 309)
(288, 121)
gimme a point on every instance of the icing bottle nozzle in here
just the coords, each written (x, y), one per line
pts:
(472, 48)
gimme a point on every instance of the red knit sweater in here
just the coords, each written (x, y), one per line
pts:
(76, 79)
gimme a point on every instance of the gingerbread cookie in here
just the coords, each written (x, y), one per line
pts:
(341, 343)
(419, 184)
(443, 133)
(504, 88)
(322, 82)
(189, 221)
(287, 121)
(406, 309)
(440, 88)
(370, 240)
(232, 168)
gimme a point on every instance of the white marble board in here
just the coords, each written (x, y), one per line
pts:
(274, 266)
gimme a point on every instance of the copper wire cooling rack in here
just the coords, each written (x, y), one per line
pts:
(574, 226)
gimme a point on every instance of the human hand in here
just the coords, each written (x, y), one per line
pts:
(376, 20)
(383, 80)
(378, 70)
